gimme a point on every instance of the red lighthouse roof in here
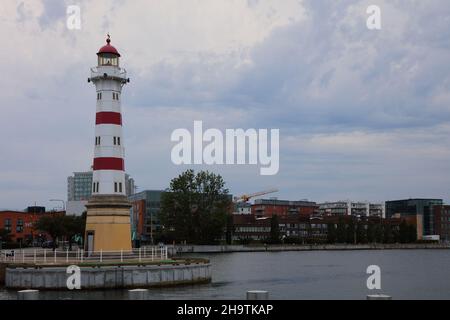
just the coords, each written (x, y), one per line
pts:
(108, 48)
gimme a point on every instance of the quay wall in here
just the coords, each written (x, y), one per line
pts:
(108, 277)
(180, 249)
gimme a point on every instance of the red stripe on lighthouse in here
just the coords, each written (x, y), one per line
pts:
(109, 118)
(109, 164)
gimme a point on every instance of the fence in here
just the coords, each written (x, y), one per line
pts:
(48, 256)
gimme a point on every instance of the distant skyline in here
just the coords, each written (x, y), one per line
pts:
(363, 114)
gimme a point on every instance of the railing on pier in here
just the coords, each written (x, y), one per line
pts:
(48, 256)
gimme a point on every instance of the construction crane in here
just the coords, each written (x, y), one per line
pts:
(246, 197)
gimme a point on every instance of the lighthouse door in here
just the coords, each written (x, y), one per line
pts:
(90, 242)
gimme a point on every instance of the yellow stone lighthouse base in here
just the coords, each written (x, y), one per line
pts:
(108, 224)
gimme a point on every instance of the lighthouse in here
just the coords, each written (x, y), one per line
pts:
(108, 211)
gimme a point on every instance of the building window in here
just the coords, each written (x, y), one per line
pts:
(96, 187)
(115, 96)
(97, 141)
(120, 187)
(115, 187)
(8, 225)
(19, 227)
(116, 141)
(99, 96)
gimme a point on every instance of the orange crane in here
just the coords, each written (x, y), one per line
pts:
(246, 197)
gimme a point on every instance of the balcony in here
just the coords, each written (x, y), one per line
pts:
(108, 72)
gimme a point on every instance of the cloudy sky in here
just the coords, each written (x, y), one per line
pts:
(362, 114)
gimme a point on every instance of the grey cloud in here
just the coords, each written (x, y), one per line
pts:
(326, 82)
(54, 11)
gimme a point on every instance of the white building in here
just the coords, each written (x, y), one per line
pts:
(242, 208)
(347, 207)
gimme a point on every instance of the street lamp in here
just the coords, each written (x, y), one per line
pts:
(63, 202)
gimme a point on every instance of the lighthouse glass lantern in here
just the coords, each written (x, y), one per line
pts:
(108, 59)
(108, 55)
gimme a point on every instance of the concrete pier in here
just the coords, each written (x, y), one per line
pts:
(137, 294)
(379, 297)
(257, 295)
(28, 295)
(108, 277)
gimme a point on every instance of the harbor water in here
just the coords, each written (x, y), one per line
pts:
(405, 274)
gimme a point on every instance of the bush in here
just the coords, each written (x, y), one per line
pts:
(293, 240)
(13, 245)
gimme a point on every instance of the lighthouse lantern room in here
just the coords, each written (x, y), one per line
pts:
(108, 216)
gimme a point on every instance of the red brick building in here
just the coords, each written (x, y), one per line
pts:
(138, 212)
(306, 229)
(442, 221)
(20, 224)
(249, 227)
(283, 208)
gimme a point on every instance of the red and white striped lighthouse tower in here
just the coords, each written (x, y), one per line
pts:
(109, 165)
(108, 218)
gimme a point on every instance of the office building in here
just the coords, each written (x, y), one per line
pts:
(79, 191)
(419, 211)
(442, 222)
(145, 224)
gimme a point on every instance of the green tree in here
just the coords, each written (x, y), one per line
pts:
(332, 233)
(351, 232)
(370, 233)
(412, 233)
(403, 232)
(378, 233)
(229, 233)
(195, 208)
(54, 225)
(341, 231)
(361, 233)
(73, 226)
(388, 236)
(274, 229)
(5, 237)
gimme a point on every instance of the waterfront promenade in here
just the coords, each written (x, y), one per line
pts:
(180, 249)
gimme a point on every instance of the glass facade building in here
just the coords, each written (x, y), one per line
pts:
(416, 207)
(148, 215)
(79, 186)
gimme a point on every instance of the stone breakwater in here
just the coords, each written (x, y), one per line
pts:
(96, 277)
